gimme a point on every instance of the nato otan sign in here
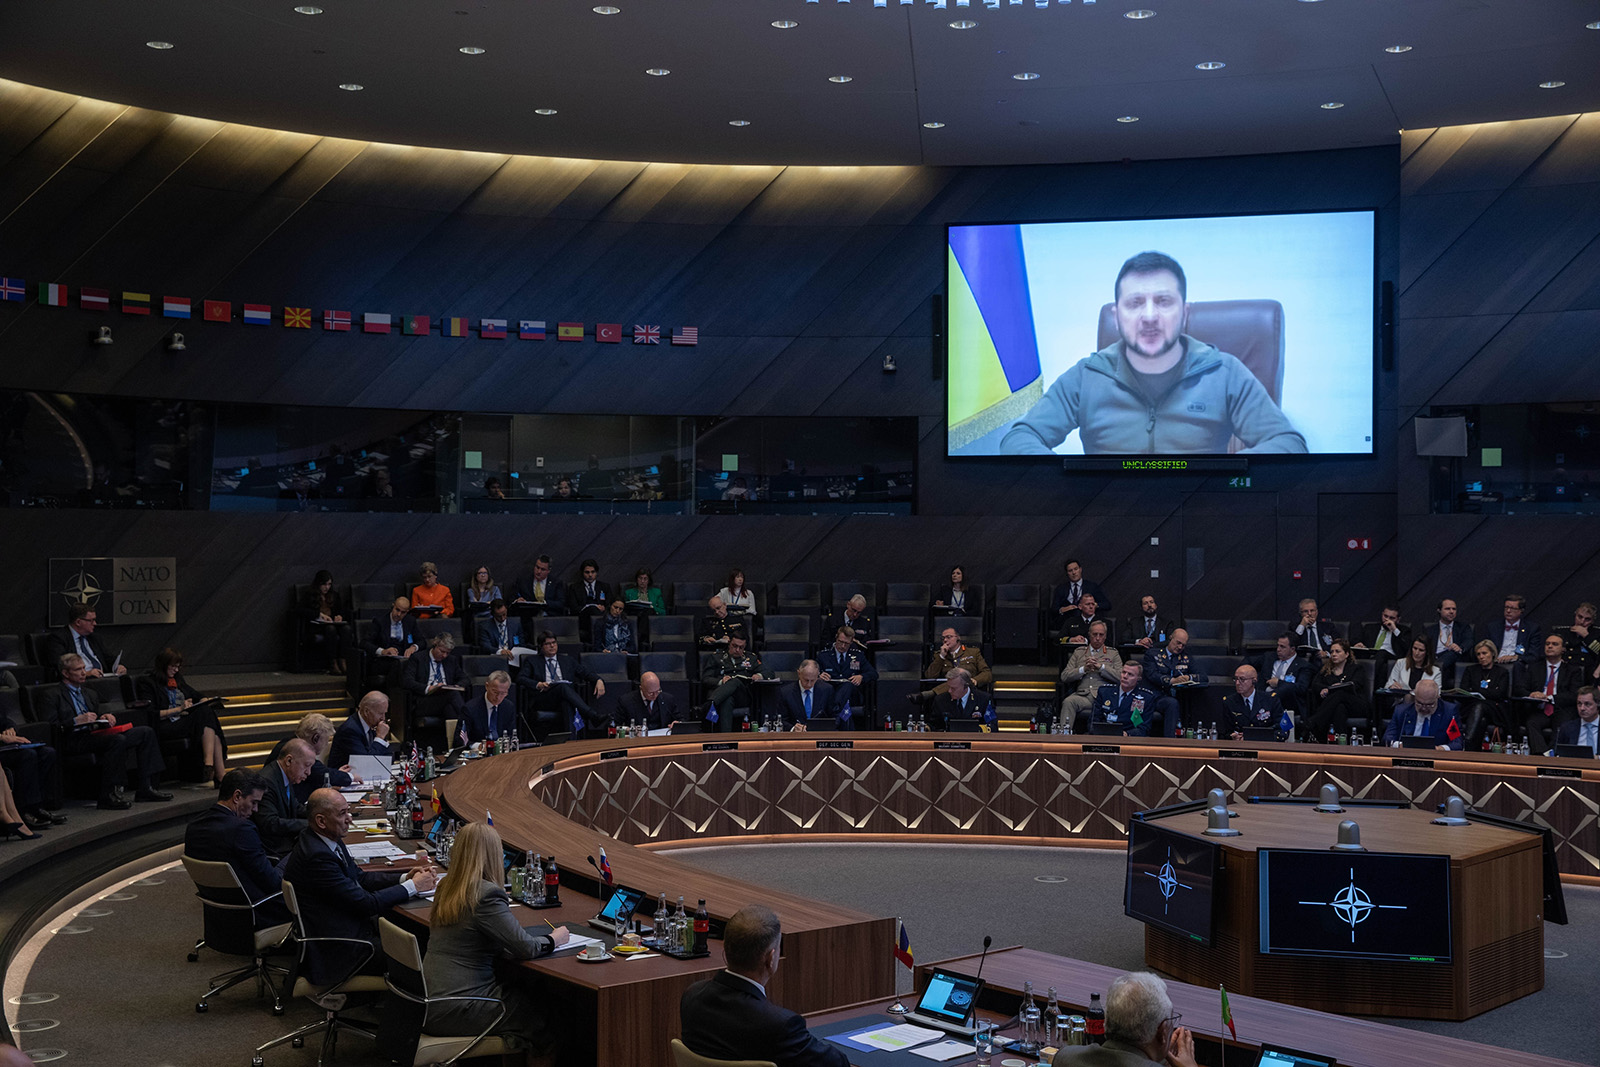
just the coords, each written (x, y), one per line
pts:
(123, 590)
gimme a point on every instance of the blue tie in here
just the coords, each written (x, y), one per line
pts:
(77, 699)
(494, 724)
(1589, 735)
(438, 673)
(808, 703)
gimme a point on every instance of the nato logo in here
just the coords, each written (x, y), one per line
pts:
(123, 590)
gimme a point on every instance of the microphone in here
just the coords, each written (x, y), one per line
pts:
(987, 941)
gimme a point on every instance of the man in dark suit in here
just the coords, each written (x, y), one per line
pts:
(364, 733)
(491, 714)
(438, 685)
(498, 632)
(1517, 639)
(959, 700)
(393, 642)
(845, 666)
(75, 708)
(650, 705)
(1585, 729)
(540, 593)
(1075, 624)
(854, 615)
(1582, 640)
(728, 1016)
(1247, 705)
(1424, 715)
(79, 636)
(1128, 704)
(224, 833)
(1287, 675)
(1388, 635)
(550, 680)
(281, 817)
(1554, 682)
(1449, 637)
(1313, 631)
(1068, 595)
(1148, 629)
(807, 699)
(337, 898)
(588, 593)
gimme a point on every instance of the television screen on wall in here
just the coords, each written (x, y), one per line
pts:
(1212, 336)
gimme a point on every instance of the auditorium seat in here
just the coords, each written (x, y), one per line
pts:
(672, 669)
(906, 631)
(369, 598)
(428, 629)
(899, 674)
(1261, 635)
(841, 592)
(784, 665)
(786, 633)
(969, 628)
(799, 598)
(564, 627)
(690, 598)
(1017, 620)
(1209, 636)
(906, 598)
(13, 650)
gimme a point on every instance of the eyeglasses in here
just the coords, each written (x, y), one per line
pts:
(1175, 1018)
(1421, 706)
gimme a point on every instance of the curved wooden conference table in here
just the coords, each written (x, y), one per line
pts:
(642, 797)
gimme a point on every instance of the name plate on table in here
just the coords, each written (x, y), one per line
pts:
(719, 746)
(1103, 750)
(1237, 753)
(547, 768)
(836, 744)
(1399, 762)
(1560, 772)
(616, 753)
(952, 745)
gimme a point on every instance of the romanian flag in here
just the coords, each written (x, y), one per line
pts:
(218, 310)
(1227, 1014)
(569, 331)
(176, 307)
(493, 328)
(52, 295)
(258, 314)
(902, 945)
(94, 300)
(416, 325)
(608, 333)
(135, 303)
(994, 365)
(456, 327)
(530, 329)
(375, 322)
(297, 318)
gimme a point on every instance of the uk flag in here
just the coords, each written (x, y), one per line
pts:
(646, 335)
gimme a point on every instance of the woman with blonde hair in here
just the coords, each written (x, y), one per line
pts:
(433, 593)
(316, 730)
(471, 925)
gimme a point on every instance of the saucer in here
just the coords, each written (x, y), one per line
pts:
(581, 958)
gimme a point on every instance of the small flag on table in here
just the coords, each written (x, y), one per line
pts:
(416, 325)
(218, 310)
(530, 330)
(902, 946)
(492, 328)
(257, 314)
(569, 331)
(135, 303)
(13, 289)
(686, 335)
(453, 327)
(608, 333)
(646, 335)
(336, 320)
(176, 307)
(436, 799)
(375, 322)
(605, 866)
(94, 300)
(1453, 731)
(1227, 1014)
(52, 295)
(488, 816)
(297, 318)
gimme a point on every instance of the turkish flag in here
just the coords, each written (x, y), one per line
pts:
(608, 333)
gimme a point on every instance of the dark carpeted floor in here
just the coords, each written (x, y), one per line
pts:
(126, 994)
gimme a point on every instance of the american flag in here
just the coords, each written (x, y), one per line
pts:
(686, 335)
(647, 335)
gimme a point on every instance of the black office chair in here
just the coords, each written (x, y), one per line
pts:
(406, 981)
(232, 928)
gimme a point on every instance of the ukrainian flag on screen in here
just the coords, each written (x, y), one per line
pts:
(994, 352)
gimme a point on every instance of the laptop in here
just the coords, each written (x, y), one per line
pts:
(1260, 733)
(964, 726)
(822, 723)
(691, 727)
(1106, 729)
(1278, 1056)
(1574, 751)
(1413, 741)
(947, 1003)
(613, 918)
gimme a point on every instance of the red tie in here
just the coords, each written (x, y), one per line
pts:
(1550, 682)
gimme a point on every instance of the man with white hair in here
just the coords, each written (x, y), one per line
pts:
(1426, 716)
(854, 615)
(1141, 1029)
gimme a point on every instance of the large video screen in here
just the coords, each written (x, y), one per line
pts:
(1169, 337)
(1170, 879)
(1366, 905)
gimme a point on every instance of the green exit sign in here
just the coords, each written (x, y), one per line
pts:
(1239, 482)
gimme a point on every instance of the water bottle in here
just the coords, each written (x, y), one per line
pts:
(429, 768)
(681, 931)
(518, 879)
(702, 930)
(1028, 1021)
(327, 779)
(515, 744)
(533, 884)
(1052, 1020)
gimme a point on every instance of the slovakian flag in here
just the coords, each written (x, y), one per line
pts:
(336, 320)
(605, 866)
(94, 300)
(13, 289)
(1227, 1014)
(218, 310)
(686, 335)
(297, 318)
(135, 303)
(646, 335)
(416, 325)
(492, 328)
(375, 322)
(608, 333)
(52, 295)
(902, 946)
(530, 330)
(453, 327)
(569, 331)
(257, 314)
(176, 307)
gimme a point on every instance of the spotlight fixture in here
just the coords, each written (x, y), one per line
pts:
(544, 111)
(351, 87)
(1025, 76)
(1139, 13)
(103, 336)
(307, 9)
(607, 9)
(1551, 85)
(1398, 48)
(175, 343)
(470, 50)
(933, 125)
(159, 46)
(784, 24)
(738, 122)
(1128, 118)
(1332, 105)
(1210, 64)
(1591, 25)
(963, 24)
(888, 363)
(657, 72)
(840, 79)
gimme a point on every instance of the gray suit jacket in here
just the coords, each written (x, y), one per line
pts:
(1113, 1053)
(460, 963)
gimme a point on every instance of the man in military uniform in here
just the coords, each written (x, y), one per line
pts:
(1165, 669)
(1126, 705)
(952, 654)
(1089, 667)
(728, 675)
(854, 615)
(718, 626)
(846, 667)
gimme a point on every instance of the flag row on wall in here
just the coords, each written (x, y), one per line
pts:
(302, 318)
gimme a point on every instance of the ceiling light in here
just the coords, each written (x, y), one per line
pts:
(159, 46)
(1551, 85)
(1332, 105)
(738, 122)
(351, 87)
(963, 24)
(658, 72)
(1139, 13)
(933, 125)
(1128, 118)
(470, 50)
(544, 111)
(1026, 76)
(1210, 64)
(784, 24)
(840, 79)
(1591, 25)
(1398, 48)
(307, 9)
(607, 9)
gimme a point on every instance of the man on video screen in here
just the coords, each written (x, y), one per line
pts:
(1157, 390)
